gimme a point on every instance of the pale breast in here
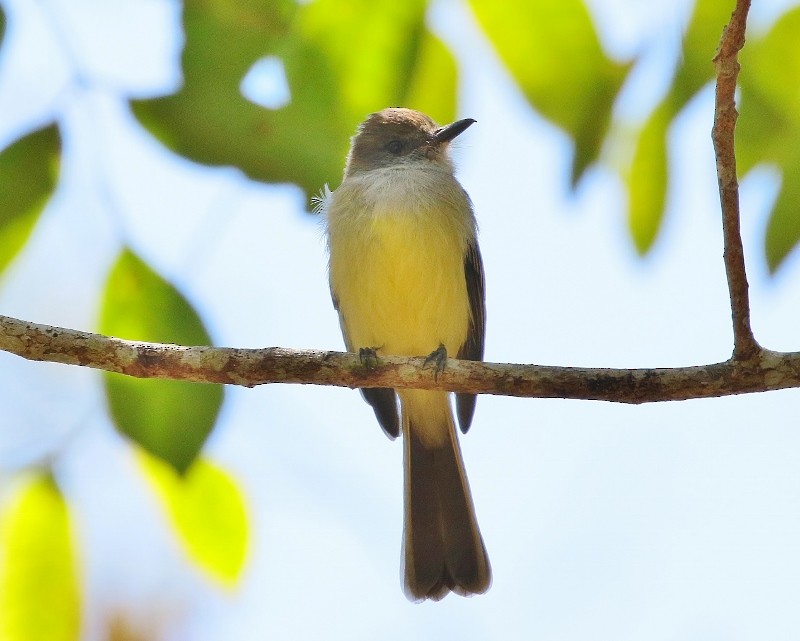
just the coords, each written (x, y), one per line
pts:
(397, 264)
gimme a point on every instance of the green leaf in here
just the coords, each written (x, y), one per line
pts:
(432, 86)
(552, 50)
(28, 175)
(39, 591)
(2, 25)
(208, 511)
(770, 102)
(699, 46)
(380, 54)
(783, 229)
(170, 419)
(647, 180)
(210, 121)
(769, 126)
(762, 131)
(647, 177)
(342, 61)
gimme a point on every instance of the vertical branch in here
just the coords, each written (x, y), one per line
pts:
(725, 114)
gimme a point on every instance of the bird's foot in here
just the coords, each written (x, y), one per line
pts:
(439, 359)
(368, 357)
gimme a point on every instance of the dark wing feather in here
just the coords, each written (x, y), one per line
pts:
(472, 349)
(383, 400)
(384, 403)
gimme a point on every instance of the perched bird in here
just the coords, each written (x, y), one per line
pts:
(406, 277)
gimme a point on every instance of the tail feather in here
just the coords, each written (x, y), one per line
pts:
(443, 548)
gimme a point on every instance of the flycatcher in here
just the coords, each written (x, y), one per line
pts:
(406, 277)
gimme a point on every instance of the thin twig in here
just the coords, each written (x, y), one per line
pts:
(725, 114)
(250, 367)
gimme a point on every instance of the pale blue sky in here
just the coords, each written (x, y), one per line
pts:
(603, 522)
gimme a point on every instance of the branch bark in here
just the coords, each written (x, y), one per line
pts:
(250, 367)
(723, 136)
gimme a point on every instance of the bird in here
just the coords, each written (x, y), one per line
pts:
(406, 278)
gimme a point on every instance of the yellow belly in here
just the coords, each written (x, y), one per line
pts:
(399, 281)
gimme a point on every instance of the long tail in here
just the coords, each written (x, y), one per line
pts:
(443, 548)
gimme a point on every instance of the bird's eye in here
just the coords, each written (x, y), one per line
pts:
(395, 147)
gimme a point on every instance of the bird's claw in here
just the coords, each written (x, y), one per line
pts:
(368, 357)
(439, 358)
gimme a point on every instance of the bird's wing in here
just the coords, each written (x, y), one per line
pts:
(383, 400)
(472, 349)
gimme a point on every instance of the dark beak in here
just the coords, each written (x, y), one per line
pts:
(448, 132)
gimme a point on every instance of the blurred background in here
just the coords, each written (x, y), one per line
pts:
(158, 164)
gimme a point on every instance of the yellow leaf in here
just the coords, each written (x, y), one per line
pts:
(39, 594)
(208, 511)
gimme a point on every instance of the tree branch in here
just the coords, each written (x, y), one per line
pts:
(725, 114)
(750, 368)
(249, 367)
